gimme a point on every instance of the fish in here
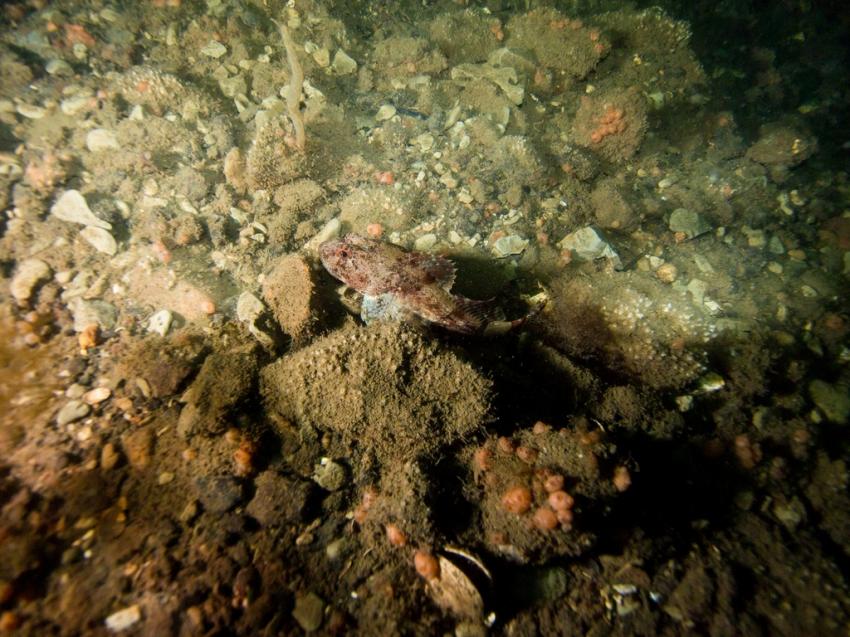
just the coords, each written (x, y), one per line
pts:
(404, 285)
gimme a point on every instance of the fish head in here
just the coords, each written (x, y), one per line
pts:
(350, 259)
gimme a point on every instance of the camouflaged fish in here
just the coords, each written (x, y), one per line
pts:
(397, 284)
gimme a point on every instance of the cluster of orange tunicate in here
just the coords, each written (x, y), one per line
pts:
(610, 123)
(559, 504)
(426, 564)
(555, 504)
(88, 338)
(566, 23)
(517, 500)
(362, 509)
(245, 454)
(748, 452)
(395, 535)
(557, 509)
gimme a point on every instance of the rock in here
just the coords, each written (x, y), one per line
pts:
(30, 273)
(99, 139)
(138, 446)
(509, 245)
(396, 393)
(666, 272)
(95, 312)
(160, 322)
(698, 289)
(31, 111)
(233, 86)
(322, 57)
(692, 224)
(97, 395)
(589, 244)
(72, 411)
(71, 206)
(309, 611)
(219, 494)
(756, 237)
(164, 365)
(425, 242)
(189, 512)
(505, 77)
(330, 475)
(249, 310)
(290, 291)
(269, 508)
(75, 391)
(59, 68)
(343, 64)
(100, 239)
(387, 111)
(108, 457)
(214, 49)
(833, 401)
(329, 231)
(224, 381)
(611, 207)
(124, 618)
(781, 145)
(75, 105)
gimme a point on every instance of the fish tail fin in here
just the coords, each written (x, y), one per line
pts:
(496, 327)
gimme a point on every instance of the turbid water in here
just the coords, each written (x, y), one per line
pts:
(201, 435)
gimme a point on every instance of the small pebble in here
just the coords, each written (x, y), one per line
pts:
(509, 245)
(99, 139)
(75, 391)
(72, 206)
(425, 242)
(343, 64)
(160, 322)
(691, 223)
(29, 274)
(59, 68)
(75, 105)
(190, 512)
(214, 49)
(387, 111)
(31, 111)
(97, 395)
(309, 611)
(100, 239)
(666, 273)
(108, 457)
(74, 410)
(329, 475)
(124, 618)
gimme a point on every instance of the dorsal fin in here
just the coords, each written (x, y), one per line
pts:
(435, 268)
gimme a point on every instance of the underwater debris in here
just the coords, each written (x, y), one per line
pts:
(294, 89)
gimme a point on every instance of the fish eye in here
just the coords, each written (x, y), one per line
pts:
(343, 253)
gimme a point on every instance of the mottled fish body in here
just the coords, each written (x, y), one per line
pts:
(399, 284)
